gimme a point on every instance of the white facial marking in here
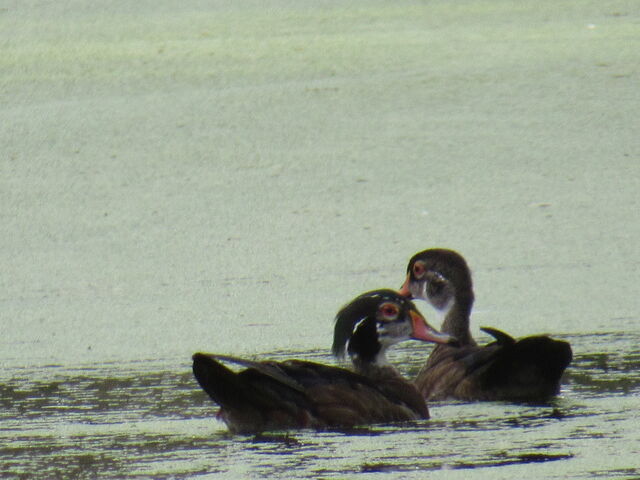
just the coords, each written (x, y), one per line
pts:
(419, 290)
(444, 311)
(357, 325)
(440, 276)
(355, 328)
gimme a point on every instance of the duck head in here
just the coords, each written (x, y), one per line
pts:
(374, 321)
(441, 277)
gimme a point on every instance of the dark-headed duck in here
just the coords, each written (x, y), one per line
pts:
(291, 394)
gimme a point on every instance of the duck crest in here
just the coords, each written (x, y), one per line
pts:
(356, 330)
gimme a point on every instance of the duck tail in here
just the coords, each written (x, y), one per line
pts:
(221, 383)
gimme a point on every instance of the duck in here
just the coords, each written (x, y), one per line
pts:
(517, 370)
(294, 394)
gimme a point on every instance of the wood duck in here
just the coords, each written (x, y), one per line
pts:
(528, 369)
(291, 394)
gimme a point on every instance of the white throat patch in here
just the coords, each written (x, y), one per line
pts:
(444, 311)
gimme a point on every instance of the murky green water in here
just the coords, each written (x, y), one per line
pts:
(223, 176)
(150, 420)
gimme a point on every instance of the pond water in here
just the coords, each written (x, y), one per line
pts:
(149, 420)
(221, 176)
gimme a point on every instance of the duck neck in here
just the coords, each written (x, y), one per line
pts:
(377, 367)
(456, 320)
(375, 371)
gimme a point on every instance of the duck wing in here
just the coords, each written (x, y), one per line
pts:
(301, 394)
(529, 369)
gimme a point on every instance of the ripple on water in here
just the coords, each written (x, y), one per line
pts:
(151, 420)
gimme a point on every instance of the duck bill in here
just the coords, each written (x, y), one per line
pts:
(421, 330)
(404, 290)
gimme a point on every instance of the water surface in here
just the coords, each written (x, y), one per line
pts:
(223, 176)
(150, 420)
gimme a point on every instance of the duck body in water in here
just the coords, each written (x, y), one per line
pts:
(527, 369)
(300, 394)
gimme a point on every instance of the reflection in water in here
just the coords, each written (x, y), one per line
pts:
(141, 420)
(501, 459)
(608, 372)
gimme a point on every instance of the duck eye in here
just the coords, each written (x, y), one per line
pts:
(389, 310)
(418, 269)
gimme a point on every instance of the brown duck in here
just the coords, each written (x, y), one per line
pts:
(528, 369)
(300, 394)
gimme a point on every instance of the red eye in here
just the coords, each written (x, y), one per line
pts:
(389, 310)
(418, 269)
